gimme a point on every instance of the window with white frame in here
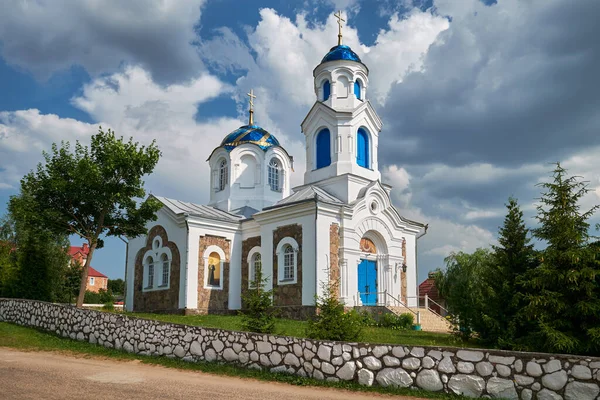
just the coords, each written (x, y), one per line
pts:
(275, 175)
(157, 266)
(256, 266)
(288, 263)
(92, 281)
(165, 270)
(287, 260)
(150, 275)
(223, 174)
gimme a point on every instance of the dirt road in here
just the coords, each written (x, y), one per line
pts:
(39, 375)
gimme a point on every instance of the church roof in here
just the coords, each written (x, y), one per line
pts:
(249, 134)
(198, 210)
(341, 52)
(308, 193)
(245, 211)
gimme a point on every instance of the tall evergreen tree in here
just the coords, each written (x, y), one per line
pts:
(564, 297)
(514, 256)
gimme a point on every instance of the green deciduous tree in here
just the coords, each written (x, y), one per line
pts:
(116, 286)
(466, 290)
(92, 192)
(38, 260)
(564, 290)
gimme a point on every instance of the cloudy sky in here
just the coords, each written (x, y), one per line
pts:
(477, 97)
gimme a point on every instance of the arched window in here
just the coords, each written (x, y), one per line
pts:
(223, 174)
(326, 90)
(214, 270)
(165, 270)
(362, 148)
(357, 89)
(288, 263)
(274, 175)
(255, 266)
(323, 149)
(150, 274)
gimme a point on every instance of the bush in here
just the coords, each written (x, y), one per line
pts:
(103, 296)
(367, 319)
(330, 321)
(257, 311)
(108, 306)
(403, 321)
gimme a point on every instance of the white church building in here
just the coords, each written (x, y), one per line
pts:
(339, 225)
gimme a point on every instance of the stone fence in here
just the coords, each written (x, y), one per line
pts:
(471, 372)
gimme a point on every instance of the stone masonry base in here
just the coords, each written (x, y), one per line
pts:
(471, 372)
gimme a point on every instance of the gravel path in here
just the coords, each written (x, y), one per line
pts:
(42, 375)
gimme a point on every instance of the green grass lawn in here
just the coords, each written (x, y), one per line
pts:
(27, 339)
(288, 327)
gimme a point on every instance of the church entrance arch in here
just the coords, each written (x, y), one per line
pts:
(367, 268)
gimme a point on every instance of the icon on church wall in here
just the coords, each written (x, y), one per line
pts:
(214, 270)
(367, 246)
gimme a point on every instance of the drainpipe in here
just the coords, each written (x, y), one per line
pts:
(126, 259)
(187, 250)
(416, 265)
(316, 257)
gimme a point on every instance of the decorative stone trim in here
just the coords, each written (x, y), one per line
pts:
(493, 373)
(213, 299)
(334, 255)
(158, 299)
(286, 294)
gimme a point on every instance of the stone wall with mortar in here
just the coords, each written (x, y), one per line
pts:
(166, 300)
(471, 372)
(213, 300)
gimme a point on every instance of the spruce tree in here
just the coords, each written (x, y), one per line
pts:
(514, 256)
(564, 297)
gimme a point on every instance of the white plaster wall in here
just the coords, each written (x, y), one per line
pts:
(177, 233)
(308, 251)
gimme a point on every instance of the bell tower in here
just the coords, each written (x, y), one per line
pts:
(342, 128)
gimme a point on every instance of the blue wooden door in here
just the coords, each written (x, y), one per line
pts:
(367, 282)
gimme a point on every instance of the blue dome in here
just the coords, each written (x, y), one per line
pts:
(249, 134)
(341, 52)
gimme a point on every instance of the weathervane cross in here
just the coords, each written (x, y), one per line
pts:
(251, 101)
(340, 20)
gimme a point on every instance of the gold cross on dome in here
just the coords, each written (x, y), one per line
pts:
(340, 20)
(251, 101)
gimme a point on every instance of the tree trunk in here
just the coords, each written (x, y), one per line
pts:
(84, 275)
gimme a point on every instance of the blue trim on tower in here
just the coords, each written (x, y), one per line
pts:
(362, 149)
(323, 149)
(326, 90)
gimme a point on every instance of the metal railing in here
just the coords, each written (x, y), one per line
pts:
(398, 303)
(427, 301)
(383, 301)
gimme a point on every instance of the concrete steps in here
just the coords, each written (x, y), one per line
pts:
(430, 321)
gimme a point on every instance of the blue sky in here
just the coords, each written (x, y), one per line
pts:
(477, 98)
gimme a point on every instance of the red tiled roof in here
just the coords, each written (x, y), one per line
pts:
(93, 272)
(427, 287)
(84, 250)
